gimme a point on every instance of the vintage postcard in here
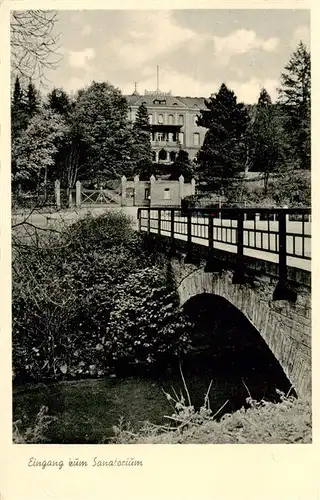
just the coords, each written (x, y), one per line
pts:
(157, 285)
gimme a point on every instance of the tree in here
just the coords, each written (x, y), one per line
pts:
(182, 166)
(68, 158)
(142, 152)
(222, 155)
(267, 139)
(18, 110)
(34, 151)
(295, 96)
(59, 102)
(33, 43)
(101, 112)
(32, 100)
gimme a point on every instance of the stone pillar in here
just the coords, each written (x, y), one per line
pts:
(78, 194)
(181, 188)
(57, 194)
(193, 186)
(136, 181)
(152, 182)
(123, 190)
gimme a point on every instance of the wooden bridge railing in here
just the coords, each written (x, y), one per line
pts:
(279, 235)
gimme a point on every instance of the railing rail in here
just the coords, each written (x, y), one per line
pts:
(279, 235)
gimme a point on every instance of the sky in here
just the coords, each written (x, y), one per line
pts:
(196, 50)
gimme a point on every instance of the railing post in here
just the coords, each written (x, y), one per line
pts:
(238, 276)
(159, 222)
(189, 237)
(139, 219)
(282, 248)
(282, 290)
(191, 257)
(172, 225)
(211, 265)
(148, 223)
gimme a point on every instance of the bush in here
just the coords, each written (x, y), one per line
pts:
(83, 303)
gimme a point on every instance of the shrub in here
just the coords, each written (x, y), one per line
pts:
(82, 302)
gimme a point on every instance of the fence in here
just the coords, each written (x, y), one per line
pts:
(284, 241)
(84, 197)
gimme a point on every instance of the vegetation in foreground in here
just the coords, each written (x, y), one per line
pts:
(286, 422)
(87, 301)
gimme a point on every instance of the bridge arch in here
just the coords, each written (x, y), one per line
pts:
(278, 328)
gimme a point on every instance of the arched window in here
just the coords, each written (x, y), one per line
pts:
(196, 139)
(160, 118)
(162, 155)
(172, 156)
(181, 119)
(170, 119)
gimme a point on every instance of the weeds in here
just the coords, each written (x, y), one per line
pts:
(35, 434)
(288, 421)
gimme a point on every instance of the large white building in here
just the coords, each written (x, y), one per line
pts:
(173, 122)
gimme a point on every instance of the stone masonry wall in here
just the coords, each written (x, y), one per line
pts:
(285, 327)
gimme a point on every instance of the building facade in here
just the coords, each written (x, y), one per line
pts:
(173, 121)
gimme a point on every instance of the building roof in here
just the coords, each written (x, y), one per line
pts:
(170, 100)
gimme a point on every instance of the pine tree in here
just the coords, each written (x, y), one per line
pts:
(182, 166)
(32, 101)
(222, 155)
(267, 139)
(295, 96)
(59, 101)
(142, 152)
(18, 110)
(264, 98)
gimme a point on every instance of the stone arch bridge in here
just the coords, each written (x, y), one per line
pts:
(270, 286)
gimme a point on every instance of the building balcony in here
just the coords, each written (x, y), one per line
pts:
(165, 143)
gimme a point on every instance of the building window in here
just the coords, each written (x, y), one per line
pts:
(181, 120)
(170, 119)
(147, 194)
(167, 194)
(181, 138)
(154, 156)
(150, 118)
(196, 139)
(129, 193)
(162, 155)
(160, 118)
(195, 120)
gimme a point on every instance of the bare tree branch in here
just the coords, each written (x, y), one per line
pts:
(34, 43)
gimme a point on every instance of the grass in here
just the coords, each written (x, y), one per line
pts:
(287, 422)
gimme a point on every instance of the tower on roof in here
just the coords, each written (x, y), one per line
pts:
(135, 89)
